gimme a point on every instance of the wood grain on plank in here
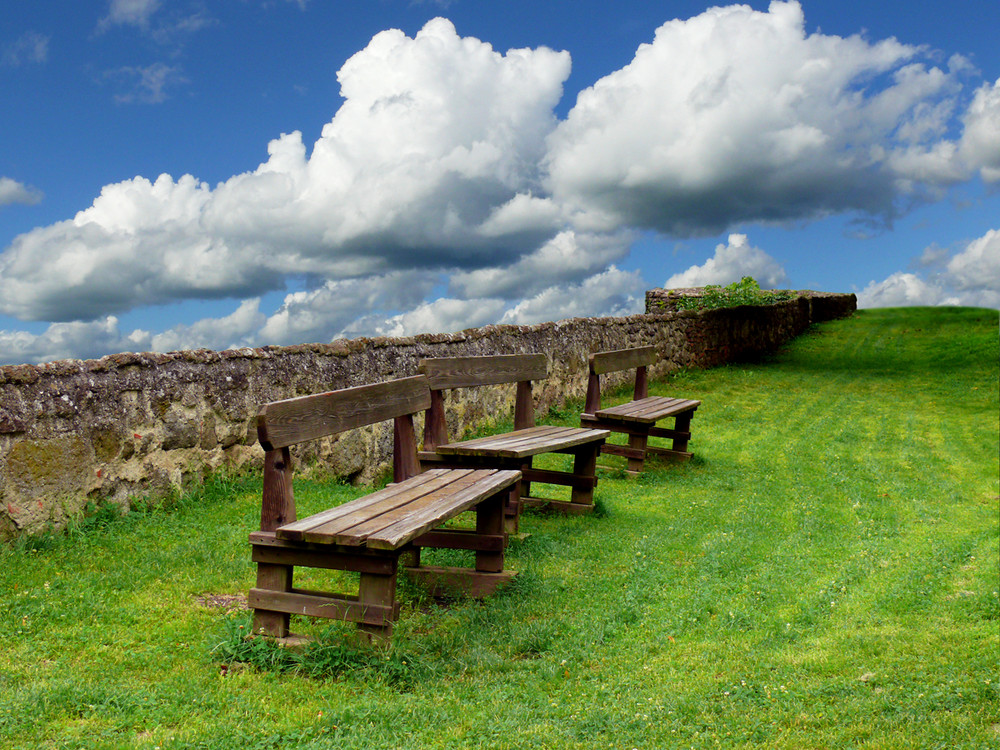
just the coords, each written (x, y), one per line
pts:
(622, 359)
(465, 372)
(295, 420)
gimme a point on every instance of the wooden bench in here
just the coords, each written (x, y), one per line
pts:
(638, 417)
(512, 450)
(370, 534)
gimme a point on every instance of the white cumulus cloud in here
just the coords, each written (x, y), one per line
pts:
(75, 340)
(730, 263)
(738, 115)
(421, 168)
(326, 312)
(970, 277)
(12, 191)
(232, 331)
(613, 292)
(980, 144)
(440, 316)
(569, 256)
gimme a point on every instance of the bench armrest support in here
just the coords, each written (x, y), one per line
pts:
(524, 407)
(277, 505)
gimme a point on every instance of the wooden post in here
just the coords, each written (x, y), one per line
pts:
(380, 590)
(638, 442)
(525, 485)
(404, 449)
(524, 417)
(593, 394)
(278, 503)
(524, 407)
(490, 520)
(584, 465)
(682, 424)
(277, 508)
(512, 510)
(435, 426)
(641, 383)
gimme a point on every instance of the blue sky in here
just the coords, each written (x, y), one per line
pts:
(199, 173)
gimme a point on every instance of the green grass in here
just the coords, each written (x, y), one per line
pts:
(823, 574)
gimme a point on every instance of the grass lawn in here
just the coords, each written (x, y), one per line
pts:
(824, 573)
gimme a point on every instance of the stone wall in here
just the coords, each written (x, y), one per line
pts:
(128, 426)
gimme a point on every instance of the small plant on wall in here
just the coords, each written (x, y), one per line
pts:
(746, 291)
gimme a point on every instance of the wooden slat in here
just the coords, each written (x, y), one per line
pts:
(322, 559)
(651, 405)
(612, 449)
(564, 478)
(464, 372)
(663, 432)
(622, 359)
(648, 410)
(294, 531)
(294, 420)
(340, 530)
(298, 603)
(512, 439)
(268, 539)
(418, 522)
(522, 443)
(456, 539)
(433, 506)
(634, 428)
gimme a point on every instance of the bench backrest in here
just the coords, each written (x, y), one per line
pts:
(466, 372)
(281, 424)
(296, 420)
(469, 372)
(622, 359)
(637, 358)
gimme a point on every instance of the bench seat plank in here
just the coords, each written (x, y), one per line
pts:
(296, 530)
(511, 440)
(648, 410)
(403, 511)
(421, 521)
(530, 441)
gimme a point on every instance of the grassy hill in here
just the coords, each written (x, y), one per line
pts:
(824, 573)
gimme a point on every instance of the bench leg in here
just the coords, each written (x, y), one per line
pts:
(585, 465)
(512, 511)
(272, 578)
(490, 515)
(379, 590)
(637, 442)
(682, 424)
(410, 558)
(525, 484)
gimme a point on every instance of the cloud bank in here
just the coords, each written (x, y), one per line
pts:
(444, 193)
(731, 263)
(737, 115)
(970, 277)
